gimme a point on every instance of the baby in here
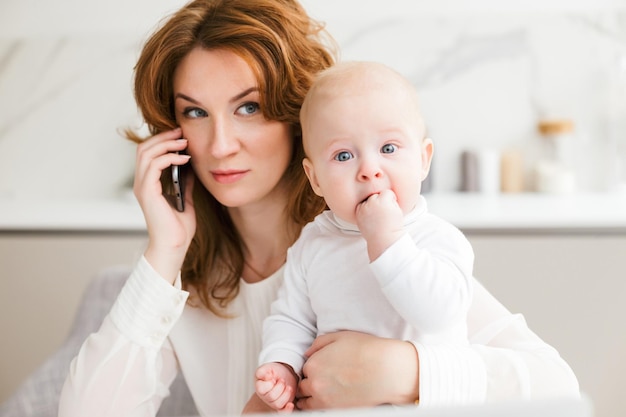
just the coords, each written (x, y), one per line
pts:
(377, 261)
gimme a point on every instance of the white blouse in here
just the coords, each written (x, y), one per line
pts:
(150, 334)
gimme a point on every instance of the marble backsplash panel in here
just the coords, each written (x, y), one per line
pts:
(63, 102)
(484, 81)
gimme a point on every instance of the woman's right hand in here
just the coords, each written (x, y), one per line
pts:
(169, 231)
(351, 369)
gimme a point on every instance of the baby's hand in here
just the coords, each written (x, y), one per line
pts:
(380, 220)
(276, 386)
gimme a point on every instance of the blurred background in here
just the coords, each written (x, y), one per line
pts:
(525, 101)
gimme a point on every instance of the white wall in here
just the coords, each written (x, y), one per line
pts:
(41, 18)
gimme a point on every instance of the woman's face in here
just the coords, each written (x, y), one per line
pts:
(238, 155)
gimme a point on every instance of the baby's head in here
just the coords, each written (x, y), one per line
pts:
(363, 133)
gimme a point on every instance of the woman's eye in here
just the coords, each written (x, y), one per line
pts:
(388, 148)
(249, 108)
(343, 156)
(194, 113)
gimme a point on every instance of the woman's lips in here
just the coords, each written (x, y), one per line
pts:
(228, 177)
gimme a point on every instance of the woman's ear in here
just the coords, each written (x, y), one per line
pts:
(309, 170)
(427, 156)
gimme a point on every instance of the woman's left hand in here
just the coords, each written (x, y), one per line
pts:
(352, 369)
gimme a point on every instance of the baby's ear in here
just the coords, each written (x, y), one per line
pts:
(427, 156)
(309, 170)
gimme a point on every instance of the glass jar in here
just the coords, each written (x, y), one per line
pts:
(553, 172)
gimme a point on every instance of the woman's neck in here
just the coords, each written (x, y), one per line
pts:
(265, 231)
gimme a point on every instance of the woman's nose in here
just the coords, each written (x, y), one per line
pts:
(223, 141)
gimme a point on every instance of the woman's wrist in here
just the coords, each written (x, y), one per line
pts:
(403, 364)
(166, 263)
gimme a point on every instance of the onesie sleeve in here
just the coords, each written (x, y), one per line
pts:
(127, 366)
(290, 328)
(427, 277)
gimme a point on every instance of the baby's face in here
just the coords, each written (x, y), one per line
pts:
(360, 143)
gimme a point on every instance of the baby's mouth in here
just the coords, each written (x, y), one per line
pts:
(367, 198)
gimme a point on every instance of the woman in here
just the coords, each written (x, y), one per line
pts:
(223, 80)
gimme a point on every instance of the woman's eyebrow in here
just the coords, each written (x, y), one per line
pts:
(235, 98)
(186, 97)
(244, 93)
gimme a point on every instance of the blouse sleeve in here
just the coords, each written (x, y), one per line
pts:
(505, 360)
(126, 368)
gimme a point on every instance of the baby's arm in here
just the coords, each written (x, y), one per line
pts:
(428, 280)
(276, 385)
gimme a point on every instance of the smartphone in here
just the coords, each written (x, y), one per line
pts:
(179, 187)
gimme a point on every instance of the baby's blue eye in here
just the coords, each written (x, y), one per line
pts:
(343, 156)
(249, 108)
(388, 148)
